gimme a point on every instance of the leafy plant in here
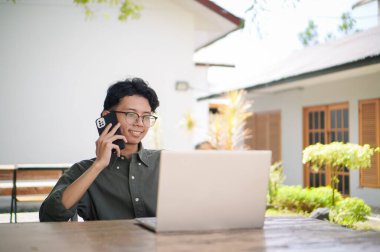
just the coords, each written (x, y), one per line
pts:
(346, 212)
(257, 9)
(348, 23)
(338, 156)
(189, 122)
(349, 211)
(227, 128)
(276, 178)
(309, 35)
(127, 8)
(304, 200)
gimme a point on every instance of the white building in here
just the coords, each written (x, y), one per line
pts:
(55, 67)
(325, 93)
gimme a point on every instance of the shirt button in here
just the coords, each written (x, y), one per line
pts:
(118, 167)
(137, 199)
(139, 163)
(133, 177)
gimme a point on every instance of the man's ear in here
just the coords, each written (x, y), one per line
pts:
(105, 112)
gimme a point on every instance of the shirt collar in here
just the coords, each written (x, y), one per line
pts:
(142, 154)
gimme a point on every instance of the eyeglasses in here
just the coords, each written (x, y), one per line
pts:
(132, 117)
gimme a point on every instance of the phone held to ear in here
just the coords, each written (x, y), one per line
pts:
(103, 121)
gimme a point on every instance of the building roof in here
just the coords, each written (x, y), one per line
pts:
(211, 22)
(357, 50)
(222, 12)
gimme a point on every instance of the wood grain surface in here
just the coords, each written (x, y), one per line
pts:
(278, 234)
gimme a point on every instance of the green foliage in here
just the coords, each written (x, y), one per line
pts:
(349, 211)
(347, 24)
(330, 36)
(338, 155)
(346, 212)
(257, 8)
(282, 212)
(276, 178)
(127, 8)
(304, 200)
(309, 35)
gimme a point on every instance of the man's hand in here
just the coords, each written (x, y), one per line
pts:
(105, 145)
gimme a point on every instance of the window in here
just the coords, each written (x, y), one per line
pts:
(369, 133)
(266, 133)
(326, 124)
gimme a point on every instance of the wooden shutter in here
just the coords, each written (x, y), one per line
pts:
(274, 129)
(265, 128)
(369, 133)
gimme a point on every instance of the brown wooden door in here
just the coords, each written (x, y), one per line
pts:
(326, 124)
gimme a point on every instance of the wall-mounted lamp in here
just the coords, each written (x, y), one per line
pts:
(182, 86)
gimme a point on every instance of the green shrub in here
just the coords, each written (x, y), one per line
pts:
(349, 211)
(275, 181)
(288, 197)
(339, 156)
(296, 198)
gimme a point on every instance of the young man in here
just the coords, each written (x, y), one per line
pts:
(118, 183)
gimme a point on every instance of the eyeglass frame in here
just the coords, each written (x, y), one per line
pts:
(138, 117)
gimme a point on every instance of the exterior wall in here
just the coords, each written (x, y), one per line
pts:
(55, 67)
(291, 103)
(370, 11)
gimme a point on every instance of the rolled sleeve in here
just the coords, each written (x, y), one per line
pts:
(52, 208)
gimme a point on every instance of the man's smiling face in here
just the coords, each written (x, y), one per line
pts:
(134, 132)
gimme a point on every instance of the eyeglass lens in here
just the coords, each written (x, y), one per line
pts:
(147, 120)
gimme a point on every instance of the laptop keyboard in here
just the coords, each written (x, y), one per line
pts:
(149, 221)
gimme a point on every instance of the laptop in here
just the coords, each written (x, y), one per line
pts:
(211, 190)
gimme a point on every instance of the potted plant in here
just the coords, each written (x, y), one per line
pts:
(227, 128)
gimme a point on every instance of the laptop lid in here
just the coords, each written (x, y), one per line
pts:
(211, 190)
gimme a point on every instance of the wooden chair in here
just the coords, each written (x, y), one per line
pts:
(6, 180)
(33, 183)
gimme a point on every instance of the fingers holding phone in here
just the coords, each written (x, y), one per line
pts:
(110, 139)
(104, 121)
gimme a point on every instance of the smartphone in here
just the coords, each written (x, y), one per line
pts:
(103, 121)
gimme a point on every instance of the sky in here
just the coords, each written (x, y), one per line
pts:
(277, 37)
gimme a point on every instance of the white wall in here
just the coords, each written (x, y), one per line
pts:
(291, 103)
(366, 15)
(55, 67)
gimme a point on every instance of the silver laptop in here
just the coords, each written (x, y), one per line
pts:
(211, 190)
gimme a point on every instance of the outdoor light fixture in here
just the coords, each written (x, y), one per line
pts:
(182, 86)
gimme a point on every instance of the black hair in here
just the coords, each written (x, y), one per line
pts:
(199, 145)
(129, 87)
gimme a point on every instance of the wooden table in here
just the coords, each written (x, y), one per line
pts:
(278, 234)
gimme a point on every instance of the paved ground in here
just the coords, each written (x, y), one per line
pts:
(21, 217)
(28, 212)
(375, 212)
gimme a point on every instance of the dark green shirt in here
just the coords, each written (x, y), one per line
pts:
(126, 189)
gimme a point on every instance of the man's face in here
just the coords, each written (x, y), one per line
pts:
(134, 132)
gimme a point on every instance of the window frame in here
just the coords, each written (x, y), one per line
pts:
(327, 131)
